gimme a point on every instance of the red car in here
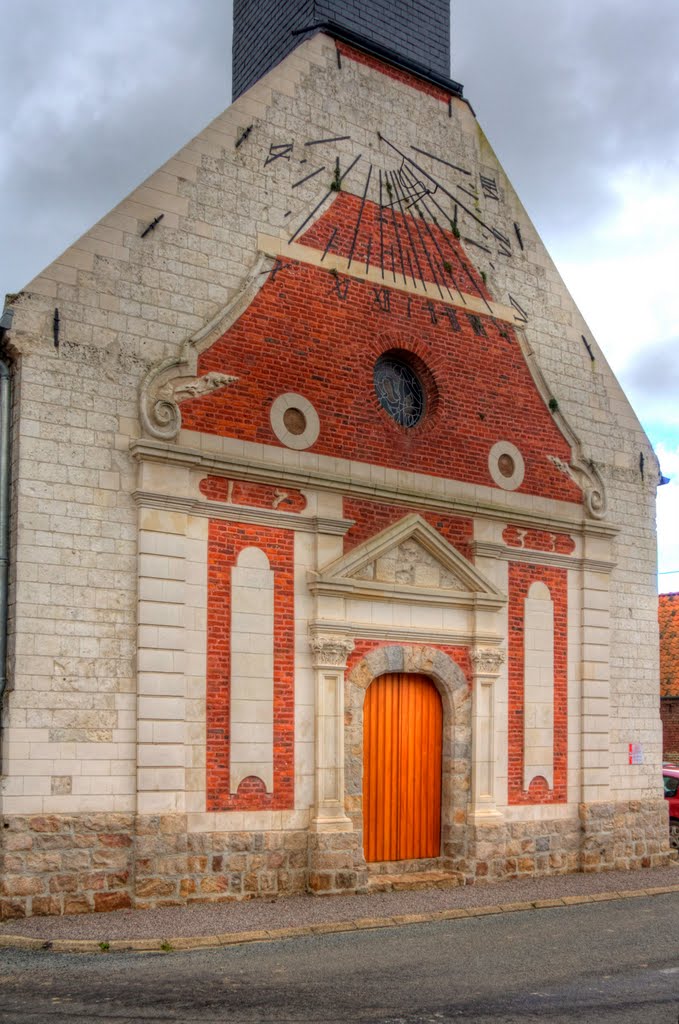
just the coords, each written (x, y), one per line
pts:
(670, 774)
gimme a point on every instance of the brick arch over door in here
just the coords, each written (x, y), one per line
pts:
(455, 692)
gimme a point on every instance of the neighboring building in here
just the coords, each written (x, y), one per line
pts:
(332, 532)
(668, 615)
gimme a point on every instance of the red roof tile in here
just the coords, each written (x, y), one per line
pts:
(668, 615)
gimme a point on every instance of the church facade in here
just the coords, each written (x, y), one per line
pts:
(332, 535)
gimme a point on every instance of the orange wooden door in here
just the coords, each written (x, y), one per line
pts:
(402, 740)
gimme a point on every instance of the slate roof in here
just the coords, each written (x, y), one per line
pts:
(668, 615)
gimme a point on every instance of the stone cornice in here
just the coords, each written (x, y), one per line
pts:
(486, 549)
(242, 513)
(367, 591)
(405, 634)
(331, 262)
(326, 476)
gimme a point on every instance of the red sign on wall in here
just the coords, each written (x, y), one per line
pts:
(636, 753)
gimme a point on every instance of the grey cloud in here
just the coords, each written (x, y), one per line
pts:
(651, 380)
(654, 372)
(95, 98)
(569, 93)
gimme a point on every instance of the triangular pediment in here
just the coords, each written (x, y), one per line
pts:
(410, 561)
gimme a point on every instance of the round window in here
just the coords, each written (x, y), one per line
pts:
(399, 389)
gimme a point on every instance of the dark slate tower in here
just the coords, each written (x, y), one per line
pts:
(412, 33)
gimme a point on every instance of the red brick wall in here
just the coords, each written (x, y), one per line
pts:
(429, 250)
(669, 714)
(668, 620)
(460, 655)
(538, 540)
(298, 335)
(371, 517)
(225, 541)
(391, 72)
(240, 492)
(520, 579)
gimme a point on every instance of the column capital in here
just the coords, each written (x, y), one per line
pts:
(487, 661)
(330, 650)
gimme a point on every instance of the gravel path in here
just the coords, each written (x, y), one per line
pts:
(263, 914)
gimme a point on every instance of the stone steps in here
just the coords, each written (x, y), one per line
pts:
(413, 880)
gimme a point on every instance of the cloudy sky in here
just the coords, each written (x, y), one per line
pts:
(578, 97)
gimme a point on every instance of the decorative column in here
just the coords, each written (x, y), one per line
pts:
(487, 662)
(329, 655)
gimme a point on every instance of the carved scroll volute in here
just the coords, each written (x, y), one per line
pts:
(162, 390)
(173, 381)
(595, 500)
(588, 479)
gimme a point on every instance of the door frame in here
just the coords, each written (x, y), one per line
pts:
(455, 690)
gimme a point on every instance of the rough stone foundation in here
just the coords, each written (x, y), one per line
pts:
(175, 867)
(76, 864)
(66, 864)
(624, 836)
(336, 863)
(520, 849)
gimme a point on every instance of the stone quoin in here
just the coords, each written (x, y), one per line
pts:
(330, 424)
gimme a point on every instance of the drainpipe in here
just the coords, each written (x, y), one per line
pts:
(5, 411)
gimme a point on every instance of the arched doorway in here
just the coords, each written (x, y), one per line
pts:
(402, 746)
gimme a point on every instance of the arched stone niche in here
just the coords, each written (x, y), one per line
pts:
(455, 692)
(252, 672)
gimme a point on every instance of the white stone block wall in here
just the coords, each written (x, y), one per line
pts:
(70, 711)
(171, 657)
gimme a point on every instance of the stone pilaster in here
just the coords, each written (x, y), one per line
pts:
(487, 662)
(596, 682)
(329, 654)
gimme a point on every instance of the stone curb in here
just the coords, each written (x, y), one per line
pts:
(190, 942)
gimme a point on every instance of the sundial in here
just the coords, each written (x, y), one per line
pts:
(403, 223)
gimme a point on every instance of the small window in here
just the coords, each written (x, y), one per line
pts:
(399, 389)
(671, 785)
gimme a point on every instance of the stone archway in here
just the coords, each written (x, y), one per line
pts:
(455, 692)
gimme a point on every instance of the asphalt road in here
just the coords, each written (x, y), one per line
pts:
(590, 963)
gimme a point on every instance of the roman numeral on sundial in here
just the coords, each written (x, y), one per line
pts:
(341, 287)
(382, 299)
(522, 317)
(279, 151)
(489, 187)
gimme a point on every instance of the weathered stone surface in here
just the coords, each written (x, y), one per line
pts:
(45, 905)
(11, 909)
(106, 901)
(78, 905)
(153, 887)
(22, 885)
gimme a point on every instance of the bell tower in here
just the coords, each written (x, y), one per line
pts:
(412, 35)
